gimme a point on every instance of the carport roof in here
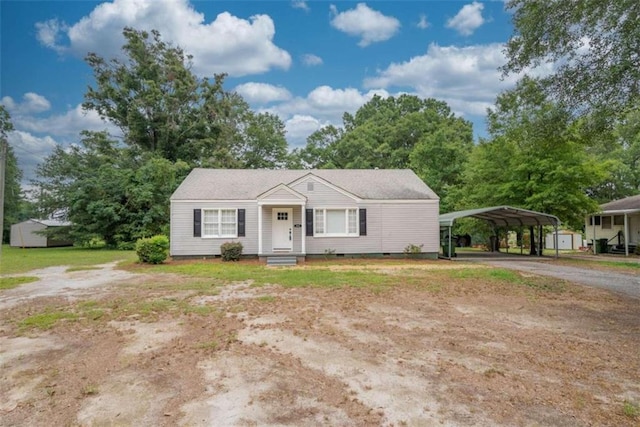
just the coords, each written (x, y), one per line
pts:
(502, 216)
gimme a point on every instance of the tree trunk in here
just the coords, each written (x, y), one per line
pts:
(532, 241)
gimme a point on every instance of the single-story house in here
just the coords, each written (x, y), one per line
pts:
(26, 234)
(303, 212)
(618, 222)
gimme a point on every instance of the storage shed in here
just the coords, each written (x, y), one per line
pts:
(26, 234)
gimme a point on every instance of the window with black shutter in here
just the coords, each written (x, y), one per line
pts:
(309, 222)
(197, 223)
(241, 222)
(363, 222)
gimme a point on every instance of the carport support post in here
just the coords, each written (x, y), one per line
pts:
(555, 239)
(626, 235)
(595, 247)
(450, 243)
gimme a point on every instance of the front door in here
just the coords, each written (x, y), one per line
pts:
(282, 229)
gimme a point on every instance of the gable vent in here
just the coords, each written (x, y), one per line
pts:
(309, 186)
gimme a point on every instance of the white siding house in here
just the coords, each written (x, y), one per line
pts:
(303, 212)
(25, 234)
(618, 223)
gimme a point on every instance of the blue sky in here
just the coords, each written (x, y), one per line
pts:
(306, 61)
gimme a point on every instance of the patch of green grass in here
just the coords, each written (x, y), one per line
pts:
(44, 321)
(266, 298)
(208, 345)
(501, 275)
(287, 277)
(585, 262)
(19, 260)
(89, 390)
(14, 282)
(631, 410)
(82, 268)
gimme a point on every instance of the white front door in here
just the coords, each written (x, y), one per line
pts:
(282, 229)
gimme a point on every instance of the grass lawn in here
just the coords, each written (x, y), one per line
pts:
(19, 260)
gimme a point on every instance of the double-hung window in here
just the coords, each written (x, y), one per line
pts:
(336, 222)
(219, 223)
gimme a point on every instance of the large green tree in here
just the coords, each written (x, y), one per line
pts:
(593, 43)
(12, 192)
(162, 107)
(395, 133)
(535, 159)
(171, 121)
(108, 192)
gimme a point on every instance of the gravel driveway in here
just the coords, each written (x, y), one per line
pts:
(617, 282)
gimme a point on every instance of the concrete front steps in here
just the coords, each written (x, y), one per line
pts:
(280, 261)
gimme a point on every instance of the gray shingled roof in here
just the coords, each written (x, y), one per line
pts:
(248, 184)
(628, 203)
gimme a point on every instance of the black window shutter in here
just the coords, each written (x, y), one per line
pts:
(197, 223)
(241, 222)
(309, 224)
(363, 222)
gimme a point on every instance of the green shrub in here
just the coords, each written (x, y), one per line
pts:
(153, 250)
(125, 246)
(413, 249)
(231, 251)
(94, 243)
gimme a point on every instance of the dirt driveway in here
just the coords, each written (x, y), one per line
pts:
(437, 348)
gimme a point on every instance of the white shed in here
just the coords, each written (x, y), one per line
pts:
(25, 234)
(567, 240)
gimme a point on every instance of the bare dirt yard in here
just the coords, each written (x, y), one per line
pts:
(430, 343)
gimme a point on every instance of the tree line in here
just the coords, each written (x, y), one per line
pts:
(561, 144)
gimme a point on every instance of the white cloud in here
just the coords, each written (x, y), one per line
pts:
(70, 123)
(49, 33)
(322, 106)
(31, 103)
(30, 150)
(300, 4)
(311, 60)
(299, 127)
(423, 23)
(368, 24)
(228, 44)
(467, 78)
(262, 93)
(468, 19)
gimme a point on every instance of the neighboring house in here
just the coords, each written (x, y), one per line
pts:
(618, 222)
(303, 212)
(26, 234)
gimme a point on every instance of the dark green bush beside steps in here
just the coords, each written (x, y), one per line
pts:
(231, 251)
(153, 250)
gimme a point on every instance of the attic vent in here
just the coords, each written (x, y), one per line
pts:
(309, 186)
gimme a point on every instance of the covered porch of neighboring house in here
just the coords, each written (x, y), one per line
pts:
(281, 231)
(615, 231)
(499, 217)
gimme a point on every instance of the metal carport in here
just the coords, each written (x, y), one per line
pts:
(503, 216)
